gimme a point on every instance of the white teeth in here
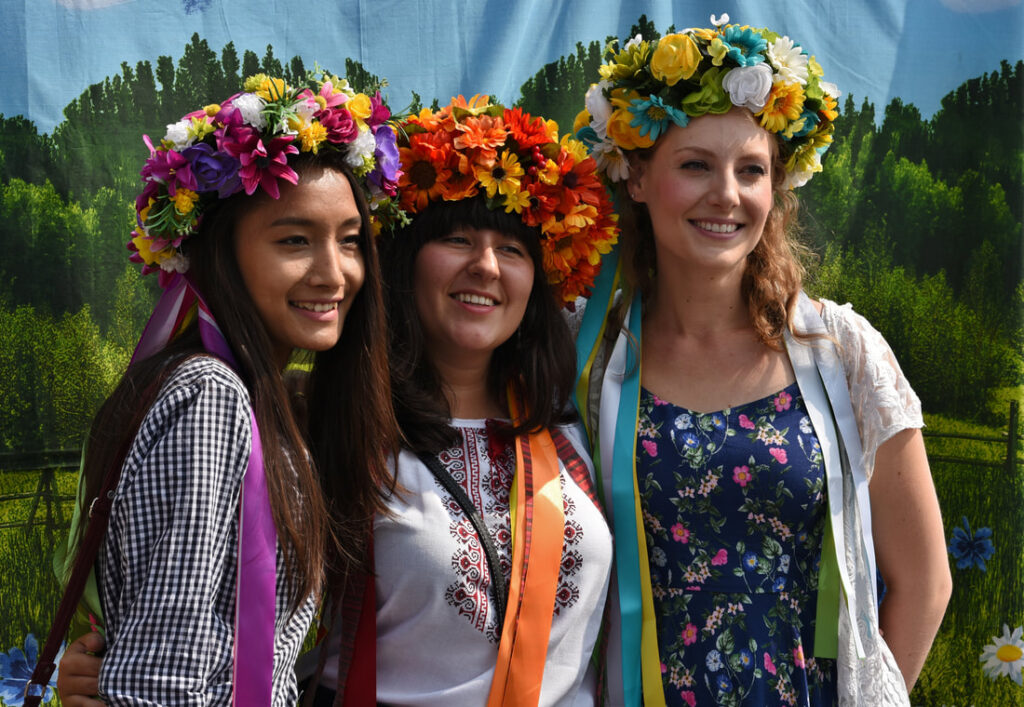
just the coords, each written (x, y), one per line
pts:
(474, 299)
(316, 307)
(717, 227)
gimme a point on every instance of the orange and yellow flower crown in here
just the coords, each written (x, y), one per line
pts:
(521, 165)
(647, 86)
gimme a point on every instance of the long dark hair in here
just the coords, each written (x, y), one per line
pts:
(324, 483)
(539, 360)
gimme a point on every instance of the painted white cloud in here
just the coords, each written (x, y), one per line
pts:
(90, 4)
(979, 6)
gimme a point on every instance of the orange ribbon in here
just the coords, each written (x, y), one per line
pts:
(538, 514)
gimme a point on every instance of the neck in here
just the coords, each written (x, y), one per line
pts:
(465, 385)
(698, 303)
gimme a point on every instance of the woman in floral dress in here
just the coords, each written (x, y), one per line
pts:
(746, 531)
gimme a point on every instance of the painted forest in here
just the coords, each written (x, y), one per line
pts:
(916, 221)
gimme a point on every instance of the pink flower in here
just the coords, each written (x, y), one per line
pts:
(688, 697)
(782, 401)
(779, 453)
(694, 588)
(720, 558)
(379, 112)
(741, 475)
(664, 668)
(745, 423)
(650, 447)
(262, 163)
(680, 534)
(798, 657)
(768, 664)
(689, 635)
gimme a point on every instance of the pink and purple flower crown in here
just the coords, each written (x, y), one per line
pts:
(243, 144)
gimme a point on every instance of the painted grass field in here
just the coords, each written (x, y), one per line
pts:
(982, 600)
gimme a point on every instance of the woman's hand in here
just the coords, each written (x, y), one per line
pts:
(910, 546)
(78, 676)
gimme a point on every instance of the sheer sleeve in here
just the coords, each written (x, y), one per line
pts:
(883, 401)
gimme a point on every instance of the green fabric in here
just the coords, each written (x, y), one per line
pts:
(826, 635)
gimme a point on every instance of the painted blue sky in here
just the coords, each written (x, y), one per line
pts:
(916, 49)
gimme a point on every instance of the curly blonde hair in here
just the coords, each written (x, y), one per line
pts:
(774, 272)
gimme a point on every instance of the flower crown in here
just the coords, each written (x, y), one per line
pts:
(648, 86)
(244, 144)
(518, 161)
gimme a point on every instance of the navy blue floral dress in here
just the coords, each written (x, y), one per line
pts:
(734, 512)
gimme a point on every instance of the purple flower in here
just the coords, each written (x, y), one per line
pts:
(384, 177)
(170, 168)
(213, 170)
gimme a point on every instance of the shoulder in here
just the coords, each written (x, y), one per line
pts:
(846, 326)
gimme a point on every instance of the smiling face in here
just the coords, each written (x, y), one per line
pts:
(708, 191)
(301, 260)
(471, 289)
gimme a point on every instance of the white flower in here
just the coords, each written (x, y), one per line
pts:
(830, 89)
(176, 263)
(251, 107)
(633, 42)
(803, 172)
(305, 110)
(805, 425)
(178, 134)
(610, 160)
(789, 60)
(718, 22)
(599, 107)
(683, 422)
(784, 564)
(749, 86)
(1005, 655)
(360, 149)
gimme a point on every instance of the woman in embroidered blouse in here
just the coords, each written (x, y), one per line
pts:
(283, 259)
(732, 480)
(476, 329)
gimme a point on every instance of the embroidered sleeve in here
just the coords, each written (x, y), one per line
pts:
(883, 401)
(167, 570)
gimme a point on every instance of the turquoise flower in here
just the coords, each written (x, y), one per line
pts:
(652, 116)
(745, 46)
(971, 548)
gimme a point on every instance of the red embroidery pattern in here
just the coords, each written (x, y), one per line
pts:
(487, 486)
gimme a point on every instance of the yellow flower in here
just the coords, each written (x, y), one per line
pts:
(549, 172)
(717, 49)
(785, 103)
(517, 201)
(184, 200)
(623, 134)
(144, 214)
(200, 128)
(552, 128)
(149, 257)
(582, 121)
(271, 89)
(676, 57)
(254, 82)
(212, 109)
(502, 176)
(359, 107)
(576, 149)
(312, 135)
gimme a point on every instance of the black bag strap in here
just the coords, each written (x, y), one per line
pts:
(491, 553)
(99, 514)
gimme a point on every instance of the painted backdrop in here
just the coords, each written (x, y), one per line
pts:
(917, 221)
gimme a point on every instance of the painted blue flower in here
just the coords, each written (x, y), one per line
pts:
(746, 46)
(723, 683)
(784, 564)
(653, 117)
(779, 584)
(16, 669)
(683, 422)
(971, 548)
(746, 658)
(718, 421)
(749, 560)
(713, 661)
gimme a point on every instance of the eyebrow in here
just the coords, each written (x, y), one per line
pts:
(299, 221)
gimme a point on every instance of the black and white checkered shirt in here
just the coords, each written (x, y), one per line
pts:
(167, 568)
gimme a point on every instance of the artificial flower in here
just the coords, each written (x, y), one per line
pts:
(710, 98)
(675, 57)
(263, 163)
(971, 549)
(789, 60)
(748, 86)
(624, 134)
(251, 106)
(652, 117)
(785, 103)
(503, 177)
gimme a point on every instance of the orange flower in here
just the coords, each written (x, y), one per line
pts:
(526, 130)
(785, 103)
(422, 177)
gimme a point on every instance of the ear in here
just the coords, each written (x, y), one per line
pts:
(636, 183)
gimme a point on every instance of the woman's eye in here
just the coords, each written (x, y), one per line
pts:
(513, 249)
(294, 240)
(352, 239)
(756, 169)
(693, 164)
